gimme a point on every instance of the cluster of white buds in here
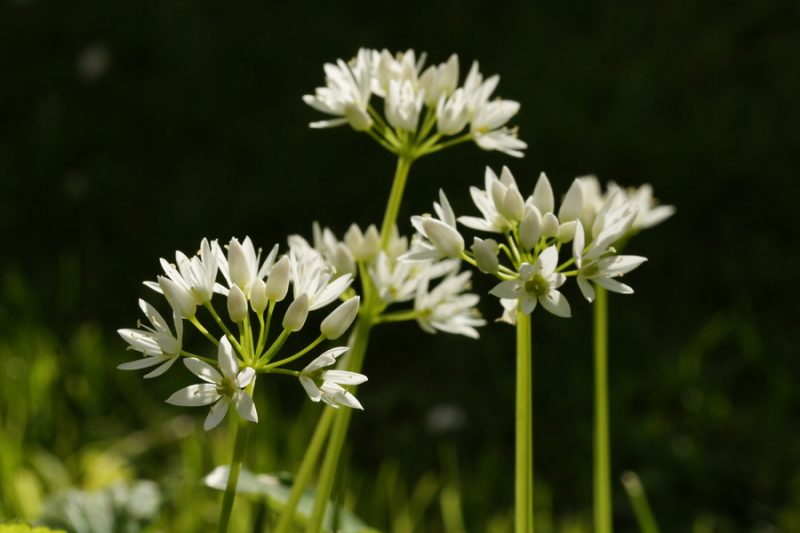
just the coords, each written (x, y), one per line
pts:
(252, 287)
(526, 257)
(424, 109)
(446, 306)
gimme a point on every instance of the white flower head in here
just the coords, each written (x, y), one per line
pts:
(221, 388)
(603, 270)
(447, 307)
(499, 198)
(346, 93)
(313, 276)
(156, 342)
(326, 385)
(537, 283)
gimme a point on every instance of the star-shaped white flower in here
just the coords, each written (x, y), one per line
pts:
(537, 283)
(601, 270)
(448, 307)
(313, 276)
(441, 238)
(326, 385)
(242, 266)
(346, 93)
(156, 342)
(222, 387)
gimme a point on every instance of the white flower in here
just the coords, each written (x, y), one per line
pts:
(243, 265)
(221, 388)
(452, 113)
(397, 281)
(488, 118)
(537, 283)
(491, 202)
(611, 224)
(346, 93)
(602, 270)
(403, 104)
(326, 385)
(313, 276)
(442, 239)
(447, 308)
(386, 68)
(439, 81)
(648, 212)
(156, 342)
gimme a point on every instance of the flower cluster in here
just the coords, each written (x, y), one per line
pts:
(252, 286)
(532, 233)
(445, 306)
(416, 100)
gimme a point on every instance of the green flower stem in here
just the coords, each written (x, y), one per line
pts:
(395, 198)
(263, 334)
(523, 476)
(275, 346)
(398, 316)
(452, 142)
(303, 476)
(602, 461)
(222, 326)
(641, 507)
(298, 354)
(239, 447)
(353, 362)
(196, 323)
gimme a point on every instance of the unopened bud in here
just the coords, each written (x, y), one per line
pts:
(549, 225)
(572, 206)
(530, 229)
(485, 256)
(278, 281)
(238, 266)
(566, 231)
(444, 238)
(296, 313)
(237, 304)
(337, 322)
(258, 296)
(513, 207)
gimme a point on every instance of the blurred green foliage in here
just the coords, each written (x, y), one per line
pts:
(128, 131)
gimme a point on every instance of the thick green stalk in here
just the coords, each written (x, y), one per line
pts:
(602, 460)
(358, 348)
(242, 431)
(523, 471)
(303, 476)
(395, 198)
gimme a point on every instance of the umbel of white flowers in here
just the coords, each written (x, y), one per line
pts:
(424, 109)
(531, 233)
(252, 288)
(437, 290)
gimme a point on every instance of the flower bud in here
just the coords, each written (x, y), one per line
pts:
(237, 304)
(543, 194)
(296, 313)
(278, 281)
(337, 322)
(572, 206)
(258, 296)
(444, 238)
(179, 298)
(549, 225)
(566, 231)
(371, 244)
(359, 119)
(485, 256)
(343, 260)
(238, 265)
(513, 206)
(530, 229)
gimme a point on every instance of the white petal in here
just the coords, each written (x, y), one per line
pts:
(311, 388)
(614, 286)
(343, 377)
(245, 407)
(193, 395)
(548, 260)
(543, 195)
(325, 359)
(556, 303)
(217, 413)
(203, 370)
(163, 368)
(509, 289)
(527, 303)
(145, 362)
(331, 292)
(226, 359)
(586, 288)
(245, 377)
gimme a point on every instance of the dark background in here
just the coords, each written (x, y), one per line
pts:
(130, 130)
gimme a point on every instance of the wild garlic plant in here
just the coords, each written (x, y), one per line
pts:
(526, 258)
(252, 290)
(424, 111)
